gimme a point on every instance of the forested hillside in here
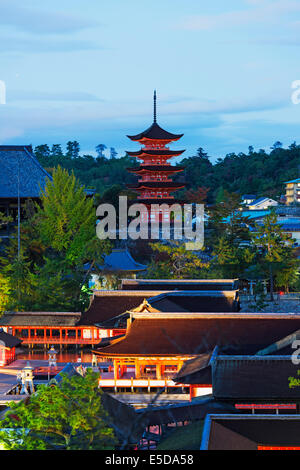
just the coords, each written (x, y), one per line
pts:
(257, 172)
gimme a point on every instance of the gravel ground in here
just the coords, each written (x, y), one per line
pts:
(280, 306)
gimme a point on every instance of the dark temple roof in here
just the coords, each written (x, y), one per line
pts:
(196, 301)
(196, 370)
(180, 284)
(32, 176)
(155, 132)
(247, 432)
(164, 334)
(254, 378)
(8, 341)
(195, 410)
(106, 305)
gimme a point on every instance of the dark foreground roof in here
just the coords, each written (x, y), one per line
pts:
(69, 370)
(191, 411)
(196, 371)
(40, 318)
(155, 132)
(8, 341)
(255, 377)
(247, 432)
(163, 334)
(32, 176)
(180, 284)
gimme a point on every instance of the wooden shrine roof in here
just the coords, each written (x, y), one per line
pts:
(40, 319)
(107, 304)
(188, 334)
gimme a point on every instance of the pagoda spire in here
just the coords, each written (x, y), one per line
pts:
(154, 107)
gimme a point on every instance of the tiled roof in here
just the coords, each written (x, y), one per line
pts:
(180, 284)
(246, 432)
(8, 340)
(192, 334)
(196, 301)
(19, 160)
(155, 132)
(121, 260)
(106, 305)
(40, 318)
(254, 377)
(297, 180)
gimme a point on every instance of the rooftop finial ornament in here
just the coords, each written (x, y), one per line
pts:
(154, 107)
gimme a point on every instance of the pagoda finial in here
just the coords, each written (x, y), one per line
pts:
(154, 107)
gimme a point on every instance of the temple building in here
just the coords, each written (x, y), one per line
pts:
(8, 344)
(117, 264)
(21, 178)
(157, 344)
(155, 185)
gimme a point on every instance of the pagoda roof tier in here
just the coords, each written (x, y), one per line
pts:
(188, 334)
(158, 152)
(150, 168)
(150, 201)
(155, 132)
(156, 184)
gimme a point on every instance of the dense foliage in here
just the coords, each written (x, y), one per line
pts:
(68, 416)
(58, 246)
(256, 172)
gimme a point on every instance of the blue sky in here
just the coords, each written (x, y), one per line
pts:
(86, 71)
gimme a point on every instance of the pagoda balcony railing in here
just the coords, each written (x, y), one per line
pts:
(57, 340)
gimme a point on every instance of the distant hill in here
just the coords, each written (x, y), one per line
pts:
(257, 172)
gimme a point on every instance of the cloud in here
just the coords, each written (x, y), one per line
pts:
(10, 44)
(260, 12)
(40, 21)
(25, 95)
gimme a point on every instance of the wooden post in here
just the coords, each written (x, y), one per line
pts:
(158, 371)
(137, 369)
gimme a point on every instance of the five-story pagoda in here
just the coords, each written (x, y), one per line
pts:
(155, 185)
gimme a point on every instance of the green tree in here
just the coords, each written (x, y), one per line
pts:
(231, 260)
(274, 249)
(174, 261)
(56, 242)
(227, 220)
(68, 416)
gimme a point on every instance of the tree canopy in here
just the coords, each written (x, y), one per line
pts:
(67, 416)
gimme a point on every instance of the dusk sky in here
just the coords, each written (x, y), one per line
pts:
(86, 71)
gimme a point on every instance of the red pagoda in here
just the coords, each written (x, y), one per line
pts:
(155, 185)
